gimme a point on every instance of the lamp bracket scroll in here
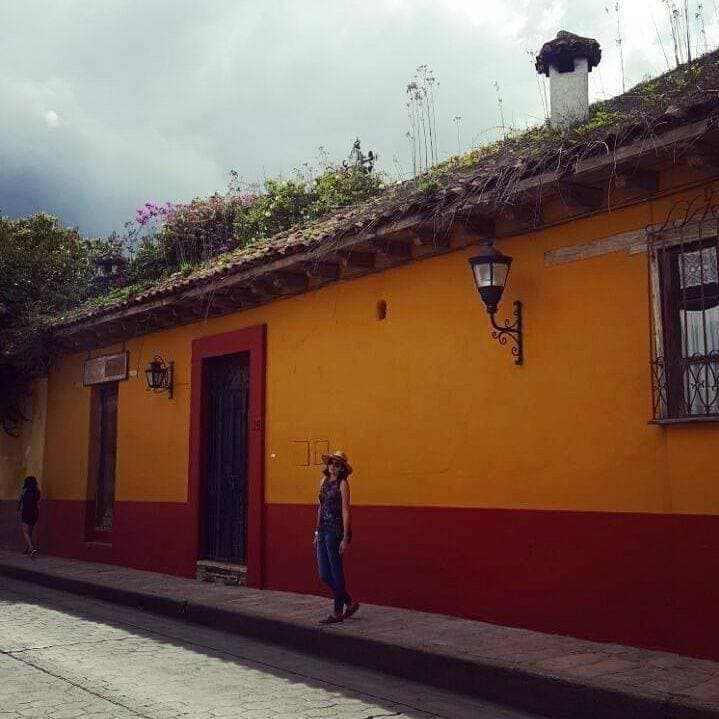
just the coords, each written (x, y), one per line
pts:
(170, 379)
(513, 331)
(490, 269)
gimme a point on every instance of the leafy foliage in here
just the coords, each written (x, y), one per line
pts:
(47, 269)
(44, 269)
(339, 187)
(600, 118)
(178, 237)
(119, 293)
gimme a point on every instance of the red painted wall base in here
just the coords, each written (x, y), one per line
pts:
(10, 535)
(152, 536)
(641, 579)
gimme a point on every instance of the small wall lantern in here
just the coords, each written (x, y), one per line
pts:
(159, 376)
(490, 269)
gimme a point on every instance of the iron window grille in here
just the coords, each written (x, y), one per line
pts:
(684, 298)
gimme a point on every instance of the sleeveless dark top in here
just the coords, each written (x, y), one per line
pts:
(331, 508)
(28, 505)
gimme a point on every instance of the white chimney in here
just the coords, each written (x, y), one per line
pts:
(567, 61)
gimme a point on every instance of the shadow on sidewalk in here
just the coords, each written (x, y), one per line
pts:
(393, 695)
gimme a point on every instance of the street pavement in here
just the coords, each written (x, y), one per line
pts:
(64, 656)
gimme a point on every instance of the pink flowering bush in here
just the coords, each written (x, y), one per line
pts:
(173, 236)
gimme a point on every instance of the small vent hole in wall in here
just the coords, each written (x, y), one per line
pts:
(381, 309)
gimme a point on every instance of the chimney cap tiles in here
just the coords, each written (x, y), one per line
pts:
(564, 49)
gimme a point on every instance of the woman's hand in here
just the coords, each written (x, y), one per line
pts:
(314, 541)
(343, 546)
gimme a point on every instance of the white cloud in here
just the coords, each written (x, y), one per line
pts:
(160, 100)
(52, 119)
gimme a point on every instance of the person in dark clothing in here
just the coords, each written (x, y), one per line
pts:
(29, 513)
(334, 533)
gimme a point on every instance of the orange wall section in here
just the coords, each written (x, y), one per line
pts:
(67, 431)
(430, 409)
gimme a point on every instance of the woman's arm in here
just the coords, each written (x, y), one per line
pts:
(317, 525)
(346, 518)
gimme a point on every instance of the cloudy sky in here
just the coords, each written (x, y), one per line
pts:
(106, 104)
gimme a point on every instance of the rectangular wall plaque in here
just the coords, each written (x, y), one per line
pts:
(108, 368)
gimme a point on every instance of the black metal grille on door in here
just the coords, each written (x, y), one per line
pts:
(225, 496)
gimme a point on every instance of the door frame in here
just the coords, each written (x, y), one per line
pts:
(252, 340)
(95, 461)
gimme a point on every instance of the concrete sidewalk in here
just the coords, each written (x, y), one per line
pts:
(555, 675)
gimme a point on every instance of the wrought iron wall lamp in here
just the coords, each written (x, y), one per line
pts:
(159, 376)
(490, 269)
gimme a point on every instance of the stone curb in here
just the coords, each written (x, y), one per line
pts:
(515, 687)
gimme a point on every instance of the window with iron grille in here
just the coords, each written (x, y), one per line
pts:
(684, 287)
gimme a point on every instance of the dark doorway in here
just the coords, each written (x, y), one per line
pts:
(224, 532)
(106, 456)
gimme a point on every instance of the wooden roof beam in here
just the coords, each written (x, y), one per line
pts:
(220, 302)
(666, 142)
(322, 270)
(359, 260)
(394, 249)
(245, 298)
(585, 197)
(702, 154)
(638, 179)
(482, 226)
(288, 282)
(436, 236)
(523, 216)
(196, 306)
(260, 290)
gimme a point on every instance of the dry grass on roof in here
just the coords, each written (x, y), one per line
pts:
(689, 92)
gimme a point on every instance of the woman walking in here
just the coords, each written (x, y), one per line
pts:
(334, 533)
(27, 504)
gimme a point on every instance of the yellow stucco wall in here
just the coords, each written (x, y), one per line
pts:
(430, 409)
(23, 455)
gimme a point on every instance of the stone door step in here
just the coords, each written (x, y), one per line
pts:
(209, 570)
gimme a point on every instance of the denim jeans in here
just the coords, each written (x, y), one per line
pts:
(329, 564)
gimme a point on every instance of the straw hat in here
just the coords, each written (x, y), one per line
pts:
(340, 456)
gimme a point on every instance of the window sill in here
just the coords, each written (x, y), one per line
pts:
(685, 420)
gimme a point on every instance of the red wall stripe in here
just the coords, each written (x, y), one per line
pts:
(154, 536)
(640, 579)
(10, 536)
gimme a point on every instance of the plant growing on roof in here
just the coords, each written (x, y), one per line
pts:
(500, 106)
(170, 237)
(618, 42)
(680, 29)
(599, 117)
(340, 186)
(421, 111)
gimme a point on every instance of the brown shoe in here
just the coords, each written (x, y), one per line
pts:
(332, 619)
(352, 609)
